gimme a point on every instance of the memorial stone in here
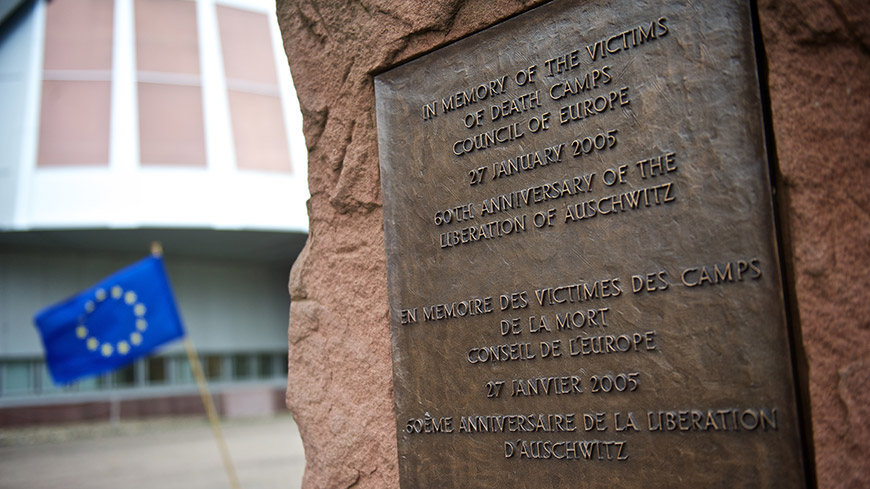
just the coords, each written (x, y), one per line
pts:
(584, 278)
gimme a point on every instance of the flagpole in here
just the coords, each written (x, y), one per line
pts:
(210, 410)
(207, 400)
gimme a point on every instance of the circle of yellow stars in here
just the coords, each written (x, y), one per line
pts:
(107, 349)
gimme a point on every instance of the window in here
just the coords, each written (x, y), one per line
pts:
(17, 377)
(157, 370)
(46, 384)
(125, 377)
(181, 372)
(31, 376)
(171, 128)
(265, 368)
(252, 82)
(84, 385)
(76, 89)
(241, 367)
(213, 366)
(170, 125)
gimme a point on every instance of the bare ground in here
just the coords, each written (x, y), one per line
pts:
(166, 454)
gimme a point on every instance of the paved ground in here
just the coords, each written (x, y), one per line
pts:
(166, 454)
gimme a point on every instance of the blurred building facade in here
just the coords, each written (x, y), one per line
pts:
(130, 121)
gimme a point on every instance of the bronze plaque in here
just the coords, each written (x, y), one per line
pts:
(583, 273)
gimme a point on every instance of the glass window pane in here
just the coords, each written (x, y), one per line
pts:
(181, 372)
(157, 370)
(47, 385)
(74, 126)
(88, 384)
(264, 366)
(241, 367)
(171, 127)
(17, 377)
(246, 42)
(258, 132)
(213, 367)
(125, 377)
(104, 381)
(78, 34)
(166, 36)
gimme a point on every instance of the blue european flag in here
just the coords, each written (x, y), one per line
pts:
(123, 317)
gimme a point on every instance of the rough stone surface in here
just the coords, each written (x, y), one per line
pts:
(819, 82)
(340, 381)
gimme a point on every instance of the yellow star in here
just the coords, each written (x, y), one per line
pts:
(101, 295)
(136, 338)
(130, 297)
(92, 343)
(81, 332)
(117, 291)
(139, 310)
(89, 306)
(106, 350)
(123, 347)
(141, 324)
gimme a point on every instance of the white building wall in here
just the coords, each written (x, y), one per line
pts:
(20, 68)
(125, 194)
